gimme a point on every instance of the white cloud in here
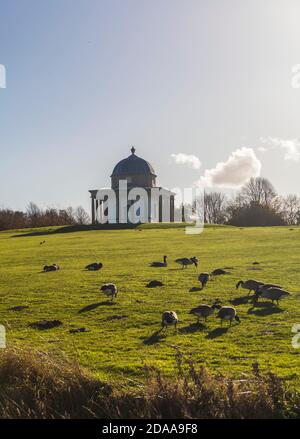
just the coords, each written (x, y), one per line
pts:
(262, 149)
(291, 147)
(185, 159)
(236, 171)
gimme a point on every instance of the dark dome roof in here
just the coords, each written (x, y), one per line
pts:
(133, 165)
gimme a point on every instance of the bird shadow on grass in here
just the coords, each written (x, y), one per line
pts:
(154, 338)
(175, 269)
(264, 309)
(90, 271)
(241, 300)
(194, 289)
(18, 308)
(47, 272)
(156, 266)
(217, 332)
(193, 327)
(93, 306)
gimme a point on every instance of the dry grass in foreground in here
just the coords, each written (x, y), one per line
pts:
(37, 385)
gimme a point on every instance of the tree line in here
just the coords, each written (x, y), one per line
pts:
(34, 216)
(256, 204)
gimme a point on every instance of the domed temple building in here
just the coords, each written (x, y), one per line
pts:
(133, 197)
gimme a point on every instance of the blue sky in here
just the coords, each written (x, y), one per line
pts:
(88, 78)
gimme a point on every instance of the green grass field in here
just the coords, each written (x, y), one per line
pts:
(118, 349)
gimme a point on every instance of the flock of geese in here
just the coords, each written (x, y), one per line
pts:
(272, 292)
(266, 291)
(184, 262)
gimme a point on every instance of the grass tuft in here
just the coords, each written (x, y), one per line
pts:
(35, 384)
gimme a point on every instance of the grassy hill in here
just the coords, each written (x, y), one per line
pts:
(123, 336)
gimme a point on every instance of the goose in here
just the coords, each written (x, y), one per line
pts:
(53, 267)
(219, 271)
(250, 285)
(154, 284)
(187, 261)
(109, 290)
(169, 318)
(205, 311)
(203, 279)
(265, 287)
(271, 293)
(159, 264)
(94, 266)
(228, 313)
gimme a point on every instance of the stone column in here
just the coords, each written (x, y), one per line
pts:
(182, 214)
(97, 211)
(160, 209)
(117, 207)
(172, 209)
(149, 205)
(93, 209)
(99, 215)
(93, 200)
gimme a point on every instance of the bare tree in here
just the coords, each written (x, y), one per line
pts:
(214, 207)
(36, 217)
(81, 217)
(71, 214)
(33, 213)
(291, 209)
(258, 191)
(257, 204)
(10, 219)
(66, 216)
